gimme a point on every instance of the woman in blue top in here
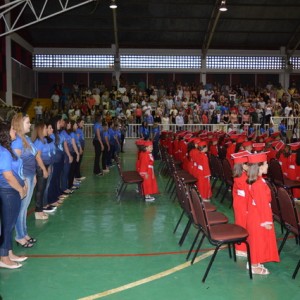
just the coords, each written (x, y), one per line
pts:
(98, 145)
(72, 145)
(68, 157)
(55, 191)
(144, 131)
(12, 190)
(25, 149)
(80, 135)
(43, 148)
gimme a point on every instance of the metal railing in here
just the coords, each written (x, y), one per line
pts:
(133, 130)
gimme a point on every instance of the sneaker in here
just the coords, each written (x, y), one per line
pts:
(74, 187)
(99, 174)
(80, 179)
(49, 209)
(149, 199)
(106, 171)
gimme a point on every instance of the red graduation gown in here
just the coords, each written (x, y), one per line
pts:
(293, 172)
(146, 167)
(240, 203)
(203, 175)
(262, 241)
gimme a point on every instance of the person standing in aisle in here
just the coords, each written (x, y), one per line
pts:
(146, 170)
(240, 194)
(98, 145)
(81, 138)
(262, 239)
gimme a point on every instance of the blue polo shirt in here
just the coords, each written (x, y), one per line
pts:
(97, 126)
(8, 164)
(80, 134)
(45, 149)
(27, 155)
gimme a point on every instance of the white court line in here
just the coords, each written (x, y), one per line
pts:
(147, 279)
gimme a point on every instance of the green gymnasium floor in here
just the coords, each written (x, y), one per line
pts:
(95, 247)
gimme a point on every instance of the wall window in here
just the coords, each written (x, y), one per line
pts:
(73, 61)
(160, 62)
(245, 62)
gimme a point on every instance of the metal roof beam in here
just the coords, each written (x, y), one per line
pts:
(211, 28)
(11, 13)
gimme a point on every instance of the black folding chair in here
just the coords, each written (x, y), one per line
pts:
(217, 235)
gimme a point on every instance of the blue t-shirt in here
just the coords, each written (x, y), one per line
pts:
(80, 134)
(156, 133)
(8, 164)
(97, 126)
(44, 147)
(76, 137)
(104, 134)
(27, 155)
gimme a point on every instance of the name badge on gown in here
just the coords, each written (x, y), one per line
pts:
(241, 193)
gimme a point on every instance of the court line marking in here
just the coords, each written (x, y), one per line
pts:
(147, 279)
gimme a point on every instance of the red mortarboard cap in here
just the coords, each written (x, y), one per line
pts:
(147, 143)
(257, 158)
(247, 144)
(187, 136)
(258, 146)
(234, 137)
(279, 145)
(139, 142)
(295, 146)
(240, 157)
(268, 140)
(202, 143)
(241, 139)
(196, 141)
(232, 132)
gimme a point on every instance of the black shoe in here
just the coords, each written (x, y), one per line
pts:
(32, 240)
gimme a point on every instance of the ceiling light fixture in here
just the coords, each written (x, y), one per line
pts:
(113, 4)
(223, 6)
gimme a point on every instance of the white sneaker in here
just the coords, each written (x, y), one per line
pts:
(149, 199)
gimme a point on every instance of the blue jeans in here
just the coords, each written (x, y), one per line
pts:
(65, 173)
(55, 188)
(21, 227)
(10, 203)
(45, 196)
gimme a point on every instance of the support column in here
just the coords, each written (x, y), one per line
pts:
(8, 94)
(284, 79)
(284, 76)
(203, 71)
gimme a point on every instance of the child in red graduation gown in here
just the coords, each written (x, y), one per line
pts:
(203, 172)
(262, 239)
(146, 170)
(240, 194)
